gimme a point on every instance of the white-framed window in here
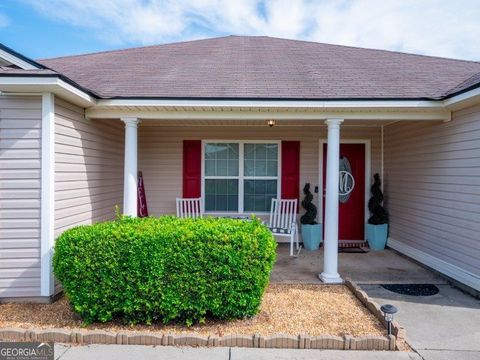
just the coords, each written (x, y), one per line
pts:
(240, 176)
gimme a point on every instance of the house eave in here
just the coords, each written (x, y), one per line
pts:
(18, 59)
(463, 100)
(194, 108)
(42, 84)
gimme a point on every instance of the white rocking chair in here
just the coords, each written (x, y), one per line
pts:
(283, 222)
(189, 208)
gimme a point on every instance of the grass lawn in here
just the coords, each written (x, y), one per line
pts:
(291, 309)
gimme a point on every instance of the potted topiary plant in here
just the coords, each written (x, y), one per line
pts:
(311, 230)
(377, 227)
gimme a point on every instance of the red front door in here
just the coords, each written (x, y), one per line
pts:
(351, 206)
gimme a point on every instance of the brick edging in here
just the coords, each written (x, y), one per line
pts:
(346, 342)
(79, 336)
(397, 330)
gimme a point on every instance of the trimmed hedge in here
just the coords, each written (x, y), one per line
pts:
(165, 269)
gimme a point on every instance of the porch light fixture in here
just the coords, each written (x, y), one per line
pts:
(271, 122)
(388, 312)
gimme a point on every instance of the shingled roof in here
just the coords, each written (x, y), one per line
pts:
(247, 67)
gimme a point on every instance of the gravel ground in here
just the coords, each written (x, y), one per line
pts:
(286, 309)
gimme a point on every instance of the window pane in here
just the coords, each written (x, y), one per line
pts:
(221, 195)
(272, 151)
(260, 168)
(258, 194)
(209, 167)
(221, 187)
(221, 151)
(209, 151)
(249, 187)
(209, 202)
(222, 168)
(260, 151)
(271, 187)
(249, 151)
(261, 160)
(221, 159)
(272, 168)
(259, 203)
(249, 167)
(260, 187)
(232, 187)
(209, 187)
(233, 151)
(221, 202)
(232, 168)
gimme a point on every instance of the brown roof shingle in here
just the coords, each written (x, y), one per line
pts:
(264, 68)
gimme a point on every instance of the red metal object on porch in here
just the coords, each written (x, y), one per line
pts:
(291, 170)
(142, 210)
(192, 168)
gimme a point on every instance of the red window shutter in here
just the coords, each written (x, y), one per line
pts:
(290, 169)
(192, 168)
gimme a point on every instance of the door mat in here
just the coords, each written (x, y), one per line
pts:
(353, 250)
(348, 243)
(412, 289)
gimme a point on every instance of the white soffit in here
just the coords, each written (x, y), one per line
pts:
(278, 109)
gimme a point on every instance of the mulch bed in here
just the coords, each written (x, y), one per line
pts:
(290, 309)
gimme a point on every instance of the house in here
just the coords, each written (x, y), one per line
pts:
(192, 116)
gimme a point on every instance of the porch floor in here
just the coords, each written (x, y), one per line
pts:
(364, 268)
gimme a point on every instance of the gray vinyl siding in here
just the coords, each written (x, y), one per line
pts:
(20, 188)
(161, 147)
(432, 187)
(88, 167)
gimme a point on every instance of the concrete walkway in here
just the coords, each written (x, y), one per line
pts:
(124, 352)
(442, 326)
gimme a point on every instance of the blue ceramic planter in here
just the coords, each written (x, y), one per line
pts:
(377, 236)
(311, 236)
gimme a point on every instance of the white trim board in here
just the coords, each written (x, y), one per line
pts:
(450, 270)
(15, 60)
(47, 196)
(368, 171)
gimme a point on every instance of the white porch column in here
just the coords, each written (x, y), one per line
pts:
(47, 204)
(130, 167)
(330, 265)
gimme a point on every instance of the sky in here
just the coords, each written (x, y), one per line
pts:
(50, 28)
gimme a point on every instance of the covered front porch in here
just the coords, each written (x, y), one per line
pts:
(155, 145)
(381, 267)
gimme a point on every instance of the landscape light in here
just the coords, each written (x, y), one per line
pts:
(388, 312)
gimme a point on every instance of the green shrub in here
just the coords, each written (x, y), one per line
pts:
(165, 269)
